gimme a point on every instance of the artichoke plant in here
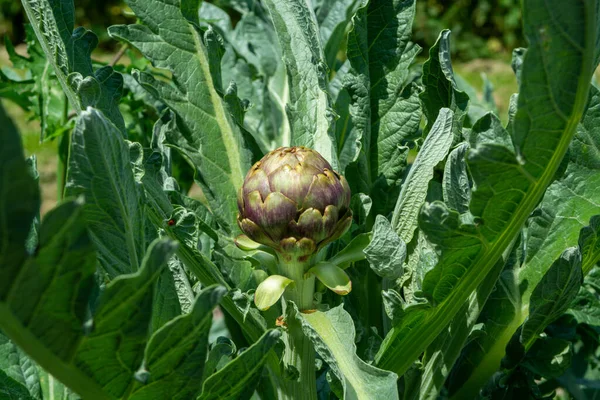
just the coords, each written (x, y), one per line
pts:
(294, 202)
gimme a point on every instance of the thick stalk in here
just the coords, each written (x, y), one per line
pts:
(64, 144)
(299, 352)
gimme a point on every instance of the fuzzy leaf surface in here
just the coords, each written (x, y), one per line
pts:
(510, 182)
(207, 135)
(99, 170)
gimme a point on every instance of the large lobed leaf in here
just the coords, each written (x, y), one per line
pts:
(551, 229)
(509, 182)
(309, 111)
(93, 341)
(175, 355)
(384, 110)
(100, 170)
(207, 135)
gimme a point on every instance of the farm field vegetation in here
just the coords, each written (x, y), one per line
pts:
(285, 199)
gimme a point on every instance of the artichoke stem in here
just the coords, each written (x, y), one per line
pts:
(303, 290)
(299, 352)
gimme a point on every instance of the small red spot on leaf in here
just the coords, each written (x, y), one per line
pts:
(171, 222)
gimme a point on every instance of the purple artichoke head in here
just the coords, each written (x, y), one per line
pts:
(293, 201)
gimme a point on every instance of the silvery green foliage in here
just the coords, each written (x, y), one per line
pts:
(474, 245)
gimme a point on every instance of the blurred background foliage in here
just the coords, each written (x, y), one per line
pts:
(481, 29)
(93, 14)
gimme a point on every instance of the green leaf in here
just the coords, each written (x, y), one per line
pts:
(253, 32)
(361, 205)
(18, 375)
(457, 191)
(176, 353)
(387, 251)
(99, 170)
(220, 353)
(509, 183)
(42, 314)
(121, 323)
(332, 333)
(489, 130)
(166, 304)
(69, 51)
(244, 370)
(549, 357)
(442, 354)
(553, 295)
(32, 239)
(47, 322)
(185, 293)
(518, 55)
(270, 291)
(551, 229)
(309, 109)
(53, 388)
(353, 252)
(589, 244)
(440, 87)
(384, 109)
(253, 324)
(414, 189)
(19, 203)
(333, 277)
(207, 135)
(10, 388)
(333, 17)
(478, 105)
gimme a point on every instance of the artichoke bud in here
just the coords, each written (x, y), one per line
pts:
(294, 202)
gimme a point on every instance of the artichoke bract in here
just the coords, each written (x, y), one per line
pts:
(294, 202)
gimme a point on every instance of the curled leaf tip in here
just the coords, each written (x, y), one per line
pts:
(332, 276)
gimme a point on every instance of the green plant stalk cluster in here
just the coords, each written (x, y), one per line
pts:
(300, 352)
(333, 80)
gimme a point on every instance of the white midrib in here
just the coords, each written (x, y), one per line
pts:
(233, 153)
(51, 387)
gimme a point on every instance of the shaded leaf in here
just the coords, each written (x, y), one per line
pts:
(238, 374)
(19, 202)
(457, 191)
(441, 90)
(176, 353)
